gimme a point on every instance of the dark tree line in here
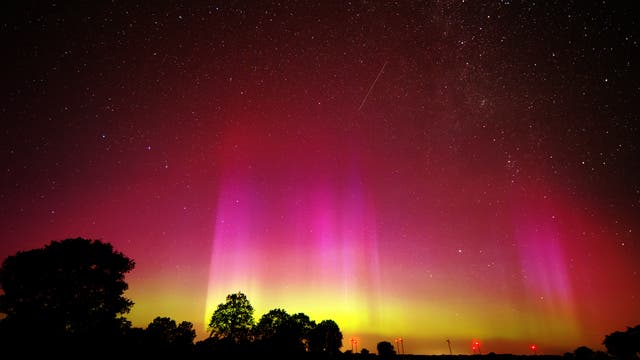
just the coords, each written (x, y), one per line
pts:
(67, 300)
(234, 332)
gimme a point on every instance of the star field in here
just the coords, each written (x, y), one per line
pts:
(432, 170)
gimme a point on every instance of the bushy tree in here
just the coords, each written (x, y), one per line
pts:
(304, 326)
(583, 353)
(161, 330)
(166, 330)
(385, 349)
(164, 336)
(184, 334)
(69, 288)
(326, 338)
(271, 324)
(233, 319)
(624, 345)
(233, 333)
(277, 331)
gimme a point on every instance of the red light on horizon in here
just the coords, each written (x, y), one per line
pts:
(354, 344)
(475, 346)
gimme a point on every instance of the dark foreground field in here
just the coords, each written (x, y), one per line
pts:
(472, 357)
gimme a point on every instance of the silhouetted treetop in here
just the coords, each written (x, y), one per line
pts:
(166, 330)
(69, 284)
(164, 336)
(271, 323)
(72, 288)
(624, 345)
(287, 333)
(233, 319)
(326, 338)
(583, 353)
(385, 349)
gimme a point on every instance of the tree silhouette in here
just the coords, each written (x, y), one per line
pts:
(271, 324)
(624, 345)
(277, 331)
(69, 289)
(233, 320)
(164, 336)
(385, 349)
(161, 330)
(326, 338)
(68, 298)
(184, 334)
(304, 326)
(583, 353)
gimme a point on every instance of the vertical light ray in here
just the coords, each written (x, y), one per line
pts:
(302, 238)
(544, 270)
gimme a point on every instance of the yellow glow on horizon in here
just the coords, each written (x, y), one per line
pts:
(423, 321)
(165, 297)
(430, 320)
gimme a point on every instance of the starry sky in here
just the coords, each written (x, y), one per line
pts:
(427, 170)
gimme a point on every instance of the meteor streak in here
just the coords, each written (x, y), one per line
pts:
(372, 85)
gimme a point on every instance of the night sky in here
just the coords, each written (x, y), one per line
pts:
(427, 170)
